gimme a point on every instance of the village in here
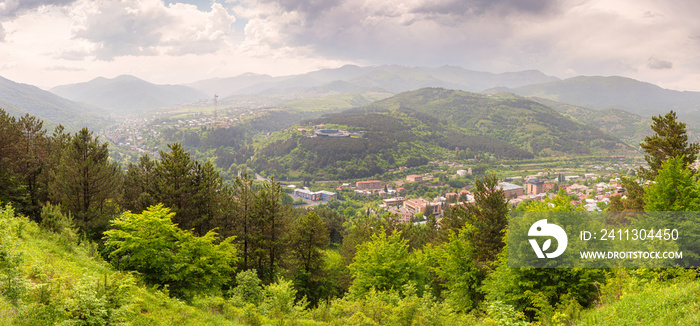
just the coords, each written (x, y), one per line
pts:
(592, 191)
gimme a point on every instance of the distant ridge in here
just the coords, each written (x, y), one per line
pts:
(125, 95)
(392, 78)
(596, 92)
(19, 99)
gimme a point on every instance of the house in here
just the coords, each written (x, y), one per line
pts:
(452, 196)
(369, 185)
(511, 190)
(419, 205)
(548, 186)
(534, 187)
(315, 196)
(393, 202)
(414, 178)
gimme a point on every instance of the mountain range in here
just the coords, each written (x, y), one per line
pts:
(619, 106)
(126, 95)
(614, 92)
(20, 99)
(391, 78)
(412, 128)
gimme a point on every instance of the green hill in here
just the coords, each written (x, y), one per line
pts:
(19, 99)
(615, 92)
(518, 121)
(628, 127)
(413, 128)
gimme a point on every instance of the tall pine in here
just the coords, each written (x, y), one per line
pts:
(85, 179)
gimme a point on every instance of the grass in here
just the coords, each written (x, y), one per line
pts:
(677, 303)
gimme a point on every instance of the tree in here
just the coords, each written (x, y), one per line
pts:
(308, 238)
(457, 270)
(151, 244)
(670, 140)
(488, 215)
(269, 224)
(175, 184)
(139, 185)
(85, 180)
(673, 189)
(384, 263)
(240, 222)
(522, 287)
(33, 146)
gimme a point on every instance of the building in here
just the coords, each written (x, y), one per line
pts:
(548, 187)
(534, 187)
(315, 196)
(418, 205)
(369, 185)
(393, 202)
(331, 133)
(511, 190)
(414, 178)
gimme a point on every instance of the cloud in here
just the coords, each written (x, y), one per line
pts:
(404, 32)
(65, 68)
(148, 27)
(11, 9)
(656, 63)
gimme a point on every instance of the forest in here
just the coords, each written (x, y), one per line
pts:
(84, 241)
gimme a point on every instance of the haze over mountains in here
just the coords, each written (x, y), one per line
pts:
(613, 92)
(619, 106)
(391, 78)
(19, 99)
(126, 95)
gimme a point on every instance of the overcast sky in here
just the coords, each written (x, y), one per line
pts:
(49, 43)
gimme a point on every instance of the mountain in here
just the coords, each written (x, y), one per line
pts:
(413, 128)
(125, 95)
(615, 92)
(392, 78)
(19, 99)
(515, 120)
(225, 87)
(628, 127)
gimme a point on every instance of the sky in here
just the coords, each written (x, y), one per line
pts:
(50, 43)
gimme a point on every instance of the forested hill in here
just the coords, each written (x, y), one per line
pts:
(518, 121)
(413, 128)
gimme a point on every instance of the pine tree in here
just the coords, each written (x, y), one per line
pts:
(308, 238)
(85, 179)
(174, 184)
(139, 185)
(242, 207)
(670, 140)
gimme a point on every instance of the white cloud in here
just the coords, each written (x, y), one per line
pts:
(149, 27)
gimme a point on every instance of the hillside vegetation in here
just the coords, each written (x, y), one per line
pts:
(413, 128)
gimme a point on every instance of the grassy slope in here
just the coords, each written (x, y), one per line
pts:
(54, 281)
(518, 121)
(57, 281)
(660, 304)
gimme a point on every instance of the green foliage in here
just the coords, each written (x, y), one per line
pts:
(308, 239)
(279, 300)
(248, 288)
(674, 188)
(526, 288)
(52, 219)
(385, 263)
(85, 180)
(670, 140)
(167, 256)
(456, 266)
